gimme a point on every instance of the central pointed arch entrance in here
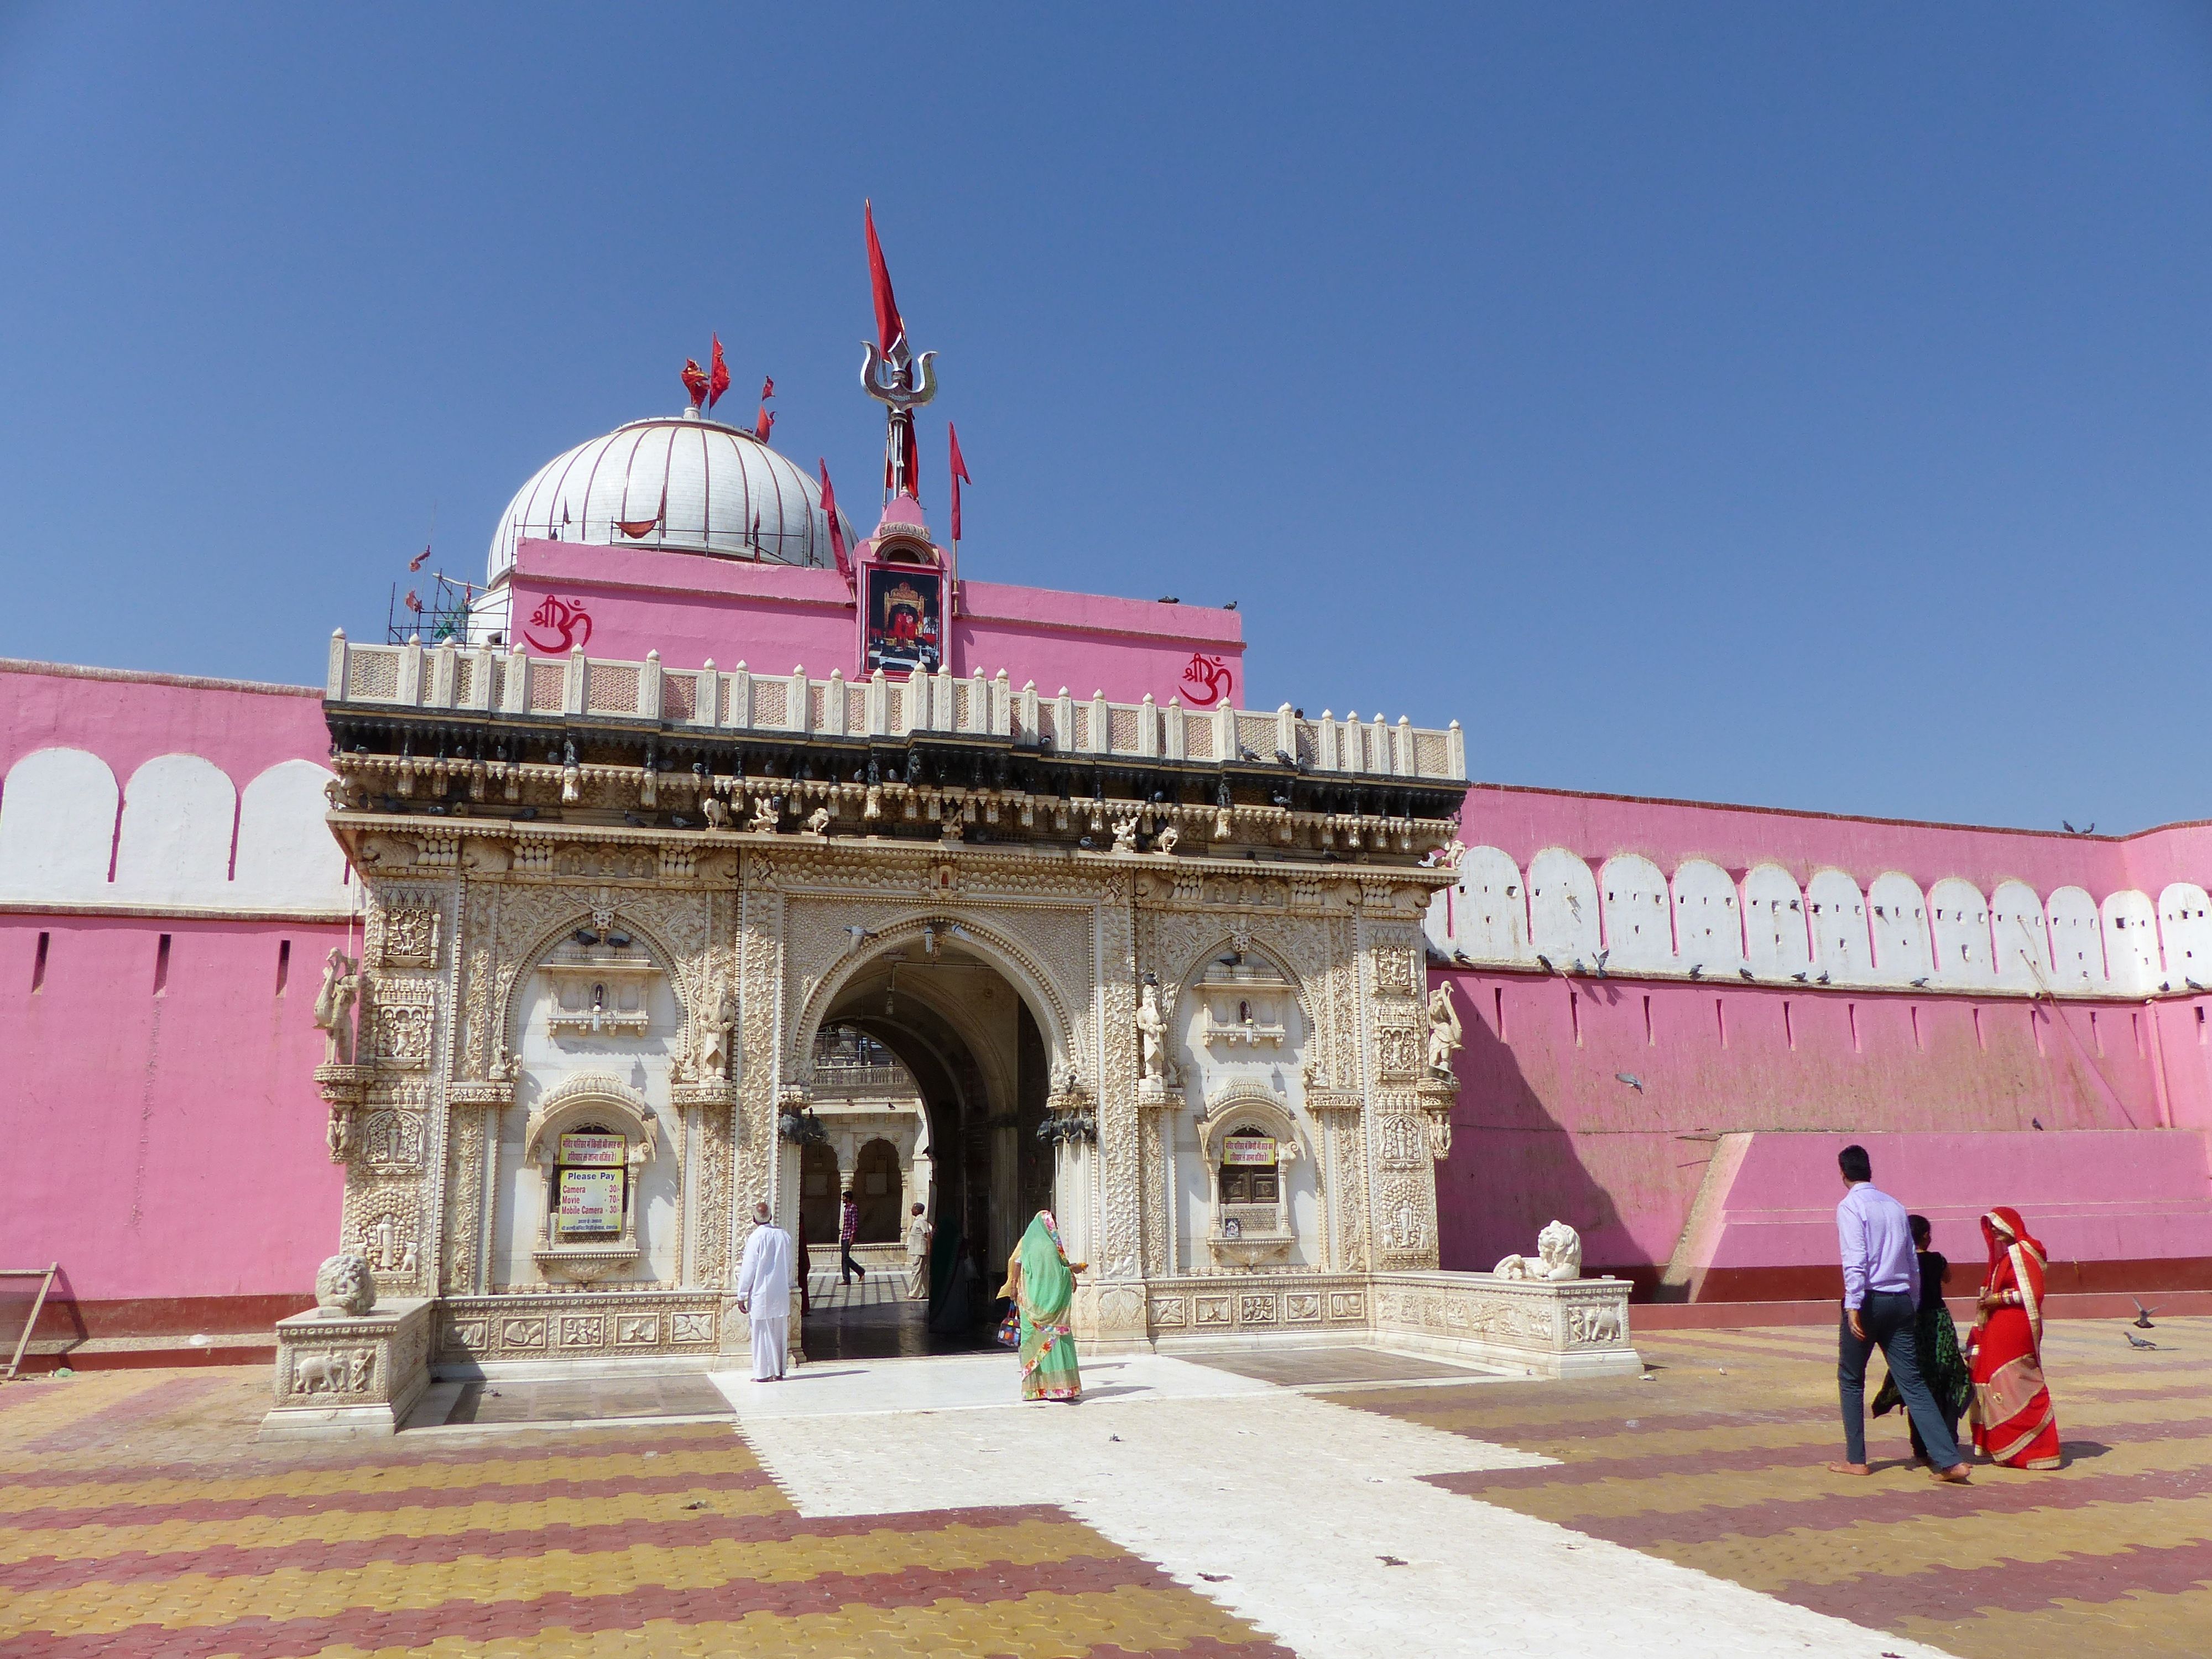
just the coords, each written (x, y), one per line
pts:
(943, 1009)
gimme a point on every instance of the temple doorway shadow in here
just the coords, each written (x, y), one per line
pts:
(1515, 1165)
(970, 1048)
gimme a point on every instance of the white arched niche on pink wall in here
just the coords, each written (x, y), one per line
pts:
(288, 859)
(1775, 938)
(1708, 920)
(1639, 933)
(2131, 959)
(2077, 940)
(1562, 906)
(1899, 914)
(1490, 909)
(1959, 918)
(2021, 937)
(2184, 929)
(179, 814)
(56, 828)
(1837, 913)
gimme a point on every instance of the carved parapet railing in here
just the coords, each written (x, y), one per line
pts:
(559, 689)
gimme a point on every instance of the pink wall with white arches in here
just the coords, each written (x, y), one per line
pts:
(1940, 943)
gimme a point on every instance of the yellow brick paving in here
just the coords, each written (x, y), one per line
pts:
(1717, 1463)
(138, 1518)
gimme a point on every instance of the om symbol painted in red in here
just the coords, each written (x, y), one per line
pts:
(567, 619)
(1206, 680)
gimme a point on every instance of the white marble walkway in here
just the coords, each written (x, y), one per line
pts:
(1307, 1519)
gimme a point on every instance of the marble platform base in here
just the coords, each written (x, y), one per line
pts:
(349, 1375)
(1576, 1327)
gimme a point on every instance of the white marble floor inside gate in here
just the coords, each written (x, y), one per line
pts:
(1310, 1519)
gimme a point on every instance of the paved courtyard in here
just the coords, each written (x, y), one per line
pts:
(1343, 1503)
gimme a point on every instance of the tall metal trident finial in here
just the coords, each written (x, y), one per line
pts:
(895, 377)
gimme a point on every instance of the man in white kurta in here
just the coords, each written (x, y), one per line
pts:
(764, 1295)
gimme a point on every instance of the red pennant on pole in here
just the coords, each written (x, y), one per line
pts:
(695, 381)
(836, 531)
(890, 328)
(718, 375)
(959, 477)
(765, 424)
(768, 388)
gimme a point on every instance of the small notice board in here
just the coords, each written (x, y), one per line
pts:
(591, 1201)
(1253, 1150)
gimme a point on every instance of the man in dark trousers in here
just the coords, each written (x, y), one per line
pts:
(848, 1229)
(1882, 1297)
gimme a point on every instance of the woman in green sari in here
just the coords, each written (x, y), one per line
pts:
(1040, 1283)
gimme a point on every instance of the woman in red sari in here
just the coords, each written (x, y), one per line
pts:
(2014, 1422)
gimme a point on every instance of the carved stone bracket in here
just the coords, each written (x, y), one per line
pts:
(1437, 1095)
(342, 1088)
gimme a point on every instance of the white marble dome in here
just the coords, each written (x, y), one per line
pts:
(680, 483)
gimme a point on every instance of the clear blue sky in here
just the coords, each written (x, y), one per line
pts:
(1791, 404)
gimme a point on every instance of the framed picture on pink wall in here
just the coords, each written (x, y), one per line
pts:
(904, 629)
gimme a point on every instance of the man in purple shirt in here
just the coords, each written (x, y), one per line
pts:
(1881, 1296)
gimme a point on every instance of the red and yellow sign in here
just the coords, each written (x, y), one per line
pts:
(591, 1201)
(594, 1150)
(1249, 1149)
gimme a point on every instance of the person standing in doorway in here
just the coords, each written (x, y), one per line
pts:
(918, 1231)
(1881, 1304)
(848, 1229)
(764, 1295)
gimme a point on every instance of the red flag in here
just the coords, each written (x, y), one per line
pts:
(718, 375)
(836, 531)
(695, 381)
(890, 328)
(768, 388)
(766, 424)
(415, 563)
(959, 475)
(414, 604)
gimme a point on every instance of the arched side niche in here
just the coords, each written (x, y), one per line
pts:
(591, 1137)
(534, 956)
(619, 1075)
(1248, 1135)
(1048, 1002)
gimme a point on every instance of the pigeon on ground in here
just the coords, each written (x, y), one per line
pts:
(2135, 1341)
(2037, 1121)
(1389, 1560)
(1746, 974)
(1545, 963)
(1601, 956)
(2143, 1314)
(1921, 981)
(1799, 978)
(1630, 1079)
(1696, 970)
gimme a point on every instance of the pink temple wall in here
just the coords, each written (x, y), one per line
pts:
(1545, 1126)
(775, 617)
(170, 1142)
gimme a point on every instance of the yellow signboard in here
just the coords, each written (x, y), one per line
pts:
(595, 1148)
(591, 1201)
(1249, 1149)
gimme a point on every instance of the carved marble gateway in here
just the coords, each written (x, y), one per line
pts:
(599, 947)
